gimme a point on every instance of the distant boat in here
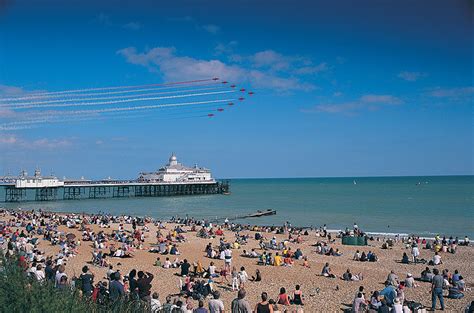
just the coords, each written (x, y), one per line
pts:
(354, 182)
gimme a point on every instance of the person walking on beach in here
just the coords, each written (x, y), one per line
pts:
(239, 304)
(437, 290)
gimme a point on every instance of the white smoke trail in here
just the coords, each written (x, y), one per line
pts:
(115, 88)
(13, 107)
(50, 117)
(83, 115)
(147, 107)
(65, 95)
(106, 98)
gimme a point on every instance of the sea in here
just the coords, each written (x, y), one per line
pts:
(424, 206)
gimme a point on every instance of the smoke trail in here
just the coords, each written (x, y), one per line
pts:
(30, 124)
(116, 101)
(48, 117)
(106, 98)
(89, 114)
(147, 107)
(115, 88)
(65, 95)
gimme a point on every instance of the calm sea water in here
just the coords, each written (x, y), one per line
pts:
(443, 205)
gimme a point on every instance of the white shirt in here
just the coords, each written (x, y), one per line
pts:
(228, 255)
(397, 308)
(243, 276)
(58, 277)
(155, 305)
(437, 259)
(39, 275)
(212, 269)
(216, 306)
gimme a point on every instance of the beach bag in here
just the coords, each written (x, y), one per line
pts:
(414, 306)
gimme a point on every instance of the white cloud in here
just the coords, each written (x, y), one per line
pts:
(452, 92)
(384, 99)
(313, 69)
(8, 139)
(174, 67)
(225, 48)
(50, 143)
(103, 19)
(369, 102)
(272, 59)
(7, 113)
(42, 143)
(411, 76)
(10, 90)
(133, 26)
(211, 28)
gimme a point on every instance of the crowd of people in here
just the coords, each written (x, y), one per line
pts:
(198, 291)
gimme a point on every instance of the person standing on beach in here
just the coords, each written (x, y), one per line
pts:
(144, 286)
(437, 290)
(87, 279)
(216, 305)
(116, 289)
(239, 304)
(415, 252)
(228, 258)
(49, 271)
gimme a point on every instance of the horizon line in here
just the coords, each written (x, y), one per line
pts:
(371, 176)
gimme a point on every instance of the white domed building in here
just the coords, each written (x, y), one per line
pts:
(175, 172)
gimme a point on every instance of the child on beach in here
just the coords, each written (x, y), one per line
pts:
(167, 263)
(305, 262)
(243, 276)
(158, 262)
(257, 277)
(235, 279)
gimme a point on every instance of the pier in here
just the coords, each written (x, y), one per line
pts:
(173, 179)
(112, 189)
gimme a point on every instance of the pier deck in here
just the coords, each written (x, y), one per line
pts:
(77, 190)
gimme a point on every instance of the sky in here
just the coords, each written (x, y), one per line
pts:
(341, 88)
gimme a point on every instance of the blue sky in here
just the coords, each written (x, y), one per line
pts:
(341, 89)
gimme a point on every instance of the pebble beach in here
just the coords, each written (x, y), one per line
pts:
(321, 294)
